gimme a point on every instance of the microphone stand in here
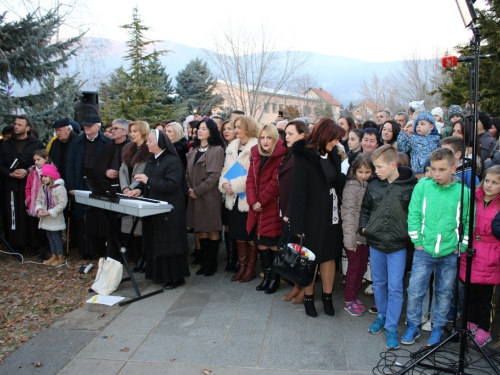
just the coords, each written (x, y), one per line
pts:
(463, 333)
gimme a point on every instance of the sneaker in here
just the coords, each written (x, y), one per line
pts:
(412, 333)
(373, 310)
(361, 306)
(482, 337)
(353, 308)
(378, 325)
(369, 290)
(472, 328)
(425, 318)
(449, 316)
(436, 336)
(391, 339)
(427, 326)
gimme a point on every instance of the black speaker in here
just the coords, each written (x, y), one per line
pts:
(88, 104)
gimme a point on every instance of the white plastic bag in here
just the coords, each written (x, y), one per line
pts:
(109, 275)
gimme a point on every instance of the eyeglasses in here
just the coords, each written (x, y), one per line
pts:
(112, 129)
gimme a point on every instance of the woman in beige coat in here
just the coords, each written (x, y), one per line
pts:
(204, 165)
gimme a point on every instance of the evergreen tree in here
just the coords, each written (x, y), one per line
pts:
(456, 90)
(143, 91)
(29, 59)
(195, 87)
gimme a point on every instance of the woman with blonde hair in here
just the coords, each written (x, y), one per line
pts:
(264, 222)
(228, 135)
(175, 133)
(135, 154)
(233, 184)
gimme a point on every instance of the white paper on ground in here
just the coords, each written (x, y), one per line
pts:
(108, 301)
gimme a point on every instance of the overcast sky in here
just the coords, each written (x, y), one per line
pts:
(383, 30)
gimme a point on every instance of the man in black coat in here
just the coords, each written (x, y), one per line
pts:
(108, 167)
(16, 156)
(84, 152)
(59, 149)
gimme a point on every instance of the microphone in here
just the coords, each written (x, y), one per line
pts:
(452, 61)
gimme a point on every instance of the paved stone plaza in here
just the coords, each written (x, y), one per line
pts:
(208, 324)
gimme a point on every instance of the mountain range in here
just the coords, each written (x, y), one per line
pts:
(340, 76)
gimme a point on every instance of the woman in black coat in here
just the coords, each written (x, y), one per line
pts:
(165, 235)
(317, 185)
(294, 131)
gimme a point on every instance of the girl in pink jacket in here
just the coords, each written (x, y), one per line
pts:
(486, 261)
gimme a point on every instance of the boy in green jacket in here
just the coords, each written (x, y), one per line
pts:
(433, 226)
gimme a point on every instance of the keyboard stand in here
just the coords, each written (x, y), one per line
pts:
(123, 252)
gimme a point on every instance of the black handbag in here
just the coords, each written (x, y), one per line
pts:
(293, 265)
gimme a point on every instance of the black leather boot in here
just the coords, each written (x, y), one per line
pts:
(235, 264)
(266, 267)
(140, 264)
(274, 278)
(204, 256)
(309, 305)
(229, 254)
(213, 251)
(327, 304)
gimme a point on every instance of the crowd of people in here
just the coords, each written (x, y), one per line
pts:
(392, 194)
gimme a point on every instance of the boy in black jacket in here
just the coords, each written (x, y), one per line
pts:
(383, 221)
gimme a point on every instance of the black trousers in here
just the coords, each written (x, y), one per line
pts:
(481, 305)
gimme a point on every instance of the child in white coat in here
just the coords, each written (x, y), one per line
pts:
(50, 203)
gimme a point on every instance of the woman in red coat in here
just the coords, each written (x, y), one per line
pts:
(264, 221)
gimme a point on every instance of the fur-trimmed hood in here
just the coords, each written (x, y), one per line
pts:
(130, 159)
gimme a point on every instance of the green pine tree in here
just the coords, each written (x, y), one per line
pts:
(456, 91)
(144, 91)
(29, 62)
(195, 87)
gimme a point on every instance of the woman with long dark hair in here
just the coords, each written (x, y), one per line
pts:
(233, 184)
(390, 132)
(294, 131)
(317, 185)
(204, 164)
(347, 123)
(165, 234)
(264, 222)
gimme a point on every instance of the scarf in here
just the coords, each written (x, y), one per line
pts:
(49, 200)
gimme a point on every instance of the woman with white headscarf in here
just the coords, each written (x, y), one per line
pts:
(165, 235)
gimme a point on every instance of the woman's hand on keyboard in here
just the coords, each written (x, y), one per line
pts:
(133, 193)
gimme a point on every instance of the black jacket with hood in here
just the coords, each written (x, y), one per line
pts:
(384, 212)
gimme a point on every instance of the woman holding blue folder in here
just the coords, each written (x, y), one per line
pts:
(233, 184)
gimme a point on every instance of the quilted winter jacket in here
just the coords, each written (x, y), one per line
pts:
(55, 221)
(419, 146)
(486, 260)
(354, 191)
(262, 187)
(384, 211)
(434, 215)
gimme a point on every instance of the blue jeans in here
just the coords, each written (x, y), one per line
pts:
(445, 269)
(387, 276)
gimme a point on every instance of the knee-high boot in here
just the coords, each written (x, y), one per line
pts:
(251, 263)
(229, 253)
(235, 263)
(213, 251)
(204, 252)
(266, 266)
(241, 247)
(274, 278)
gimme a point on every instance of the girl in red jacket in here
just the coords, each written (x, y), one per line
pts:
(264, 221)
(486, 261)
